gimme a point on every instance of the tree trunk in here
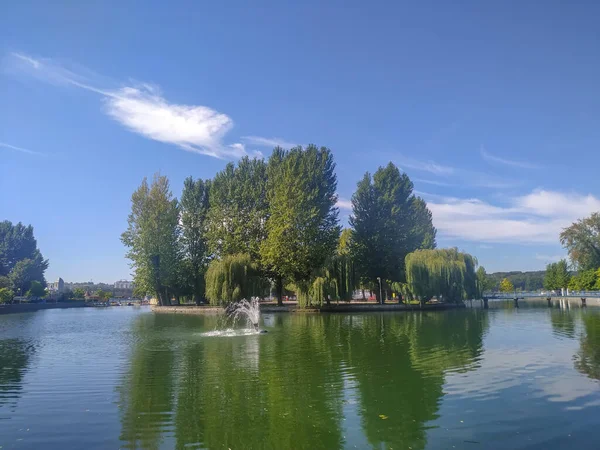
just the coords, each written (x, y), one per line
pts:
(196, 299)
(279, 290)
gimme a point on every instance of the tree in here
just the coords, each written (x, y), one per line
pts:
(444, 273)
(152, 238)
(6, 295)
(388, 222)
(483, 283)
(557, 275)
(585, 280)
(506, 286)
(302, 226)
(36, 289)
(233, 278)
(194, 211)
(17, 243)
(582, 241)
(24, 273)
(78, 293)
(238, 209)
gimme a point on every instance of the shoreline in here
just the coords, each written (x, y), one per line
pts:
(33, 307)
(293, 308)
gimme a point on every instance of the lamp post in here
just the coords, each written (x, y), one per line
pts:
(380, 294)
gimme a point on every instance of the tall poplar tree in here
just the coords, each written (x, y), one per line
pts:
(388, 222)
(152, 238)
(302, 226)
(194, 212)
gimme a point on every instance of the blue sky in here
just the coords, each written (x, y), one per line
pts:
(492, 110)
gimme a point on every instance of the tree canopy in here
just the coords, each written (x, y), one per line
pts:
(152, 238)
(233, 278)
(21, 262)
(388, 223)
(582, 241)
(444, 273)
(557, 275)
(506, 286)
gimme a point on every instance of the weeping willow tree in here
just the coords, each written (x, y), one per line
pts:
(445, 273)
(233, 278)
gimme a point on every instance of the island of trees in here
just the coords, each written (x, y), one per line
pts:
(272, 225)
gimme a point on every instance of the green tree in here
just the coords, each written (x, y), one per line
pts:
(444, 273)
(17, 243)
(585, 280)
(302, 226)
(78, 293)
(483, 282)
(24, 273)
(506, 286)
(550, 279)
(194, 211)
(6, 295)
(233, 278)
(152, 238)
(388, 223)
(36, 289)
(582, 241)
(238, 209)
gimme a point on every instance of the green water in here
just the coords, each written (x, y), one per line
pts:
(126, 378)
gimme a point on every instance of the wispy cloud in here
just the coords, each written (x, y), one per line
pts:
(537, 217)
(142, 109)
(432, 182)
(268, 142)
(344, 204)
(20, 149)
(507, 162)
(424, 166)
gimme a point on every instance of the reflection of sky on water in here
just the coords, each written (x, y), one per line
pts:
(527, 372)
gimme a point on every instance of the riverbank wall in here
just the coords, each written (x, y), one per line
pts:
(32, 307)
(293, 308)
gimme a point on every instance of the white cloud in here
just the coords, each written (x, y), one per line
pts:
(433, 182)
(20, 149)
(507, 162)
(537, 217)
(268, 142)
(141, 108)
(424, 166)
(342, 203)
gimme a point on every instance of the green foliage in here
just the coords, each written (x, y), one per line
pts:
(36, 289)
(103, 295)
(483, 282)
(585, 280)
(17, 243)
(388, 223)
(194, 223)
(506, 286)
(582, 241)
(238, 209)
(6, 295)
(78, 293)
(523, 281)
(302, 229)
(152, 238)
(445, 273)
(232, 278)
(557, 275)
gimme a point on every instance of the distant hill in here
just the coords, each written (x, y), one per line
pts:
(523, 281)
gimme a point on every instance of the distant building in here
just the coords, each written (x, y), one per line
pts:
(123, 284)
(56, 287)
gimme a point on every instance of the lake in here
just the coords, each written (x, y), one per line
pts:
(466, 379)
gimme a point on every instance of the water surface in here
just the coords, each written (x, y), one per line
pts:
(126, 378)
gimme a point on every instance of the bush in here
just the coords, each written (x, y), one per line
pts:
(6, 295)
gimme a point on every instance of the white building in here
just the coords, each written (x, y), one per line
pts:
(123, 284)
(57, 286)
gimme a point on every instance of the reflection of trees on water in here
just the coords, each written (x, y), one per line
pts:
(15, 356)
(587, 359)
(287, 389)
(563, 322)
(400, 380)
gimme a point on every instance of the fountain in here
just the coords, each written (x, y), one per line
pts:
(236, 312)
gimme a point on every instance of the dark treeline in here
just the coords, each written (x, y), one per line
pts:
(272, 225)
(522, 281)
